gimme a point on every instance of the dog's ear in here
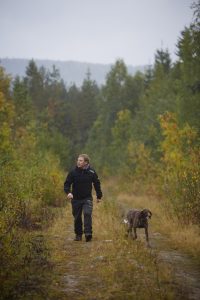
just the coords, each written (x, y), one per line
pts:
(143, 213)
(149, 214)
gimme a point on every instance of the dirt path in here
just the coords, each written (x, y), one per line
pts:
(185, 269)
(186, 272)
(76, 269)
(104, 269)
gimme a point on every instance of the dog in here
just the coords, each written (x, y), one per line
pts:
(138, 219)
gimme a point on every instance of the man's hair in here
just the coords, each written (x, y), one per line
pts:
(85, 157)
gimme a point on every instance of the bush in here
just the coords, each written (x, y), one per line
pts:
(181, 168)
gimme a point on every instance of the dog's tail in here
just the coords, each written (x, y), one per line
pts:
(125, 221)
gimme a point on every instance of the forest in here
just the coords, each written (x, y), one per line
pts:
(141, 132)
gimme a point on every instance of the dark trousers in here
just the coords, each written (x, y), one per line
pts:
(78, 207)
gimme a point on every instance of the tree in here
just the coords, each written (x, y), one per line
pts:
(158, 97)
(113, 92)
(121, 136)
(188, 51)
(7, 115)
(22, 102)
(83, 111)
(162, 63)
(35, 84)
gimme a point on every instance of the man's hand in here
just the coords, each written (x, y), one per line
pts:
(98, 200)
(70, 196)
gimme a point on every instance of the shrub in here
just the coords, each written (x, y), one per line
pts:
(181, 168)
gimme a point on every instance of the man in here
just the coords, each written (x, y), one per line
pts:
(81, 179)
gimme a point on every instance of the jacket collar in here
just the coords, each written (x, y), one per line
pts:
(87, 167)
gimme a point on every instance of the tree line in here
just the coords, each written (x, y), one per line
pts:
(114, 121)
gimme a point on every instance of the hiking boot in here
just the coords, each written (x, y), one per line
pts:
(78, 238)
(88, 238)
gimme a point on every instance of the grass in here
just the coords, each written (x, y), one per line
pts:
(110, 267)
(185, 238)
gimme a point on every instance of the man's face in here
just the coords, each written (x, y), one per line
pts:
(81, 162)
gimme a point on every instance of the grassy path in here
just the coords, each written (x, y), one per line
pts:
(75, 274)
(109, 267)
(171, 243)
(114, 267)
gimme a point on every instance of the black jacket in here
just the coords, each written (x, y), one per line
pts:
(81, 181)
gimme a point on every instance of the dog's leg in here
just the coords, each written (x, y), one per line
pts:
(147, 236)
(129, 230)
(135, 234)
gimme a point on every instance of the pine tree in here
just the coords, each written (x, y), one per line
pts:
(189, 63)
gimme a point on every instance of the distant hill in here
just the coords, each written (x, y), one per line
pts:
(70, 71)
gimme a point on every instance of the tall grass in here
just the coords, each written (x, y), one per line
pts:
(111, 266)
(185, 237)
(30, 189)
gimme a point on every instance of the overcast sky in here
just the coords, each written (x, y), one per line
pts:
(98, 31)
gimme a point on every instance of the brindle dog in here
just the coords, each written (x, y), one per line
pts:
(138, 219)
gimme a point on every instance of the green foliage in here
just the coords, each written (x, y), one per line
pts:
(142, 167)
(83, 110)
(30, 184)
(115, 95)
(162, 62)
(23, 104)
(159, 96)
(54, 142)
(121, 130)
(181, 168)
(189, 64)
(97, 145)
(121, 134)
(34, 81)
(118, 103)
(7, 115)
